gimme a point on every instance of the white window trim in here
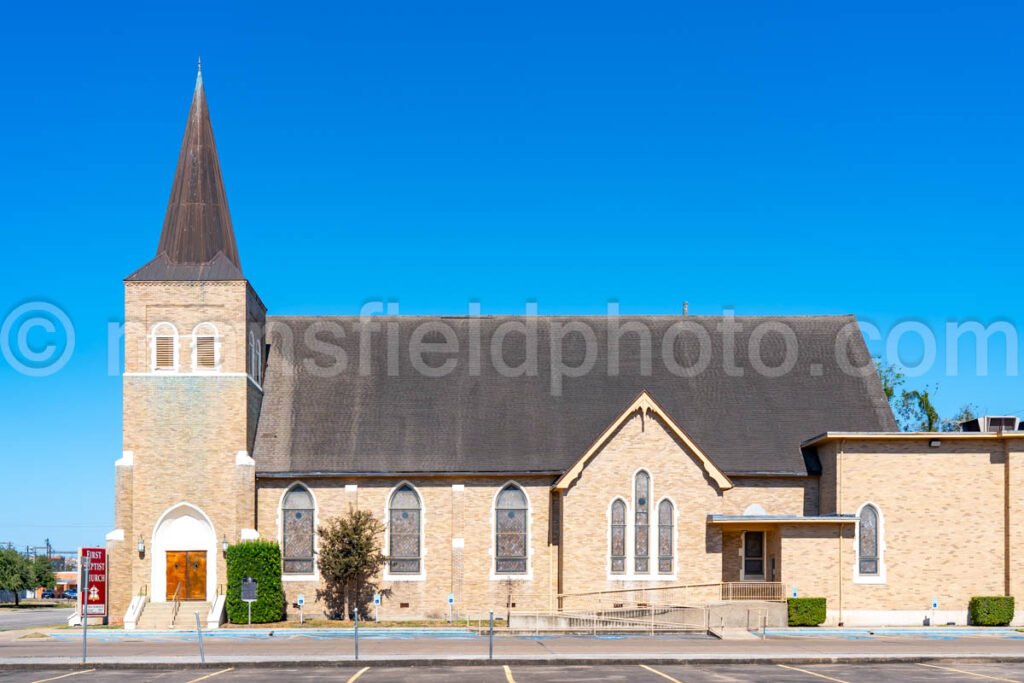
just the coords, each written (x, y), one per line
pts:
(315, 576)
(675, 538)
(493, 550)
(650, 497)
(255, 355)
(616, 576)
(216, 349)
(870, 579)
(422, 575)
(764, 557)
(152, 348)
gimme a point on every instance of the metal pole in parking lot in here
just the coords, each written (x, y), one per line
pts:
(357, 633)
(490, 637)
(199, 630)
(84, 601)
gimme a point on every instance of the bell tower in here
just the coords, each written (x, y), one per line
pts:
(193, 354)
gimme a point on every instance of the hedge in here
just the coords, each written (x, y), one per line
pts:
(806, 611)
(990, 610)
(262, 561)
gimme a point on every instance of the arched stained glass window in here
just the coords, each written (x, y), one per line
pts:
(511, 534)
(297, 512)
(404, 528)
(642, 522)
(666, 518)
(867, 545)
(618, 537)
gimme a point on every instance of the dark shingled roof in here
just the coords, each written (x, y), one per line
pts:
(197, 241)
(374, 417)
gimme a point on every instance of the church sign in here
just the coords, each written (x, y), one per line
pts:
(93, 596)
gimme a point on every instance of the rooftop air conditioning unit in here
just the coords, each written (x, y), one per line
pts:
(1008, 423)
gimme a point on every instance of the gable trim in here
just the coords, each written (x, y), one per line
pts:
(644, 405)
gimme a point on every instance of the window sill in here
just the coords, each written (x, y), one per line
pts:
(404, 577)
(528, 576)
(295, 578)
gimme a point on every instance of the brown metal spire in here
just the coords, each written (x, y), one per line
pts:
(197, 225)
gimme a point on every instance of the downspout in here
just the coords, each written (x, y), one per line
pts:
(839, 510)
(1006, 518)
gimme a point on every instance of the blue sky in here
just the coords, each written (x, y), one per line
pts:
(792, 157)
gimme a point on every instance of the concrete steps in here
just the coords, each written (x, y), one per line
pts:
(156, 616)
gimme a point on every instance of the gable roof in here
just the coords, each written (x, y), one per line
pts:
(377, 416)
(197, 241)
(645, 405)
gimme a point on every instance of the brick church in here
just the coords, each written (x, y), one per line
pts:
(705, 466)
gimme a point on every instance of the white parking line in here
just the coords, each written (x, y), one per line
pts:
(215, 673)
(660, 673)
(970, 673)
(356, 675)
(812, 673)
(73, 673)
(508, 674)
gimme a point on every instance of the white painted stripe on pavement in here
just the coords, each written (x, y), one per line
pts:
(970, 673)
(356, 675)
(660, 673)
(508, 674)
(215, 673)
(811, 673)
(73, 673)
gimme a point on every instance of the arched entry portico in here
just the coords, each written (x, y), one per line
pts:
(186, 534)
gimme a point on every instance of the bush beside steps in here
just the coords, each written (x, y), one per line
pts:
(806, 611)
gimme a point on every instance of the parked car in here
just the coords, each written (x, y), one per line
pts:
(70, 594)
(48, 594)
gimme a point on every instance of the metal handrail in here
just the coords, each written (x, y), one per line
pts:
(176, 603)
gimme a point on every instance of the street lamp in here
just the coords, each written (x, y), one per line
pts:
(224, 544)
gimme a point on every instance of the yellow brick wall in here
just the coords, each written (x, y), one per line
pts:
(641, 442)
(184, 429)
(448, 513)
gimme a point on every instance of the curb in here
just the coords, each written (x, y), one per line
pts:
(150, 664)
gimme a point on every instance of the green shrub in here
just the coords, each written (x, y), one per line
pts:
(992, 610)
(806, 611)
(262, 561)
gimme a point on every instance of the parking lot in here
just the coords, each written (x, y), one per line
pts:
(679, 673)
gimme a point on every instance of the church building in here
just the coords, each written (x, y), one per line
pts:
(529, 460)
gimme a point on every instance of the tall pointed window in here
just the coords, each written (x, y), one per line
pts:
(164, 348)
(867, 542)
(404, 553)
(642, 523)
(255, 358)
(666, 520)
(205, 348)
(510, 529)
(618, 537)
(297, 514)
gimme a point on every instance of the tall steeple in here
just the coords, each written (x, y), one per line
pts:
(197, 241)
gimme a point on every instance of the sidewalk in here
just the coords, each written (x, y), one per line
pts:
(306, 649)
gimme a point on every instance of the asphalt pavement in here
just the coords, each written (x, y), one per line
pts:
(679, 673)
(32, 617)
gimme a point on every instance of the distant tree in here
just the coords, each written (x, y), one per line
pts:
(967, 413)
(892, 379)
(350, 559)
(916, 413)
(15, 573)
(42, 572)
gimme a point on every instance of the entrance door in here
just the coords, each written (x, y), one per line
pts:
(186, 574)
(753, 556)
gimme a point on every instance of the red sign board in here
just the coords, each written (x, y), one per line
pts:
(94, 597)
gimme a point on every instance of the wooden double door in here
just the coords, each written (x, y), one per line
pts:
(186, 568)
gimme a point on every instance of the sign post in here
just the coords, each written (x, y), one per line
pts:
(300, 602)
(249, 588)
(451, 602)
(356, 634)
(376, 606)
(85, 617)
